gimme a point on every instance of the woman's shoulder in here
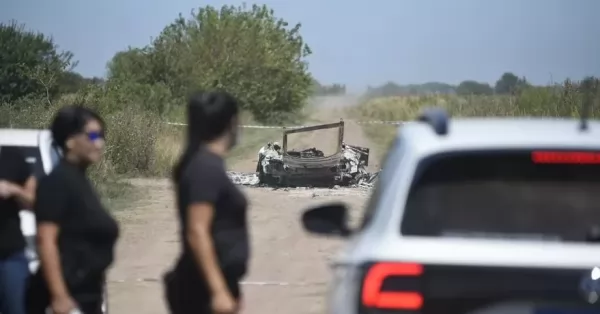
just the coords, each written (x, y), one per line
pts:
(56, 176)
(206, 161)
(206, 166)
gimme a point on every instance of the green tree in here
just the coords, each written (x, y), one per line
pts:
(386, 90)
(30, 63)
(474, 88)
(133, 65)
(247, 51)
(70, 82)
(509, 83)
(324, 90)
(590, 85)
(393, 89)
(590, 89)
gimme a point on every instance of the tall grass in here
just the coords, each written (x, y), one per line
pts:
(171, 142)
(556, 101)
(139, 142)
(131, 140)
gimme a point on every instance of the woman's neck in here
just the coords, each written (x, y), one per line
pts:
(75, 161)
(218, 147)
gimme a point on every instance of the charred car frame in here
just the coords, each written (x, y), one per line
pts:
(310, 167)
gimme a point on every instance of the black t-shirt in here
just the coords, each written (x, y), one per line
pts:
(205, 180)
(14, 169)
(88, 233)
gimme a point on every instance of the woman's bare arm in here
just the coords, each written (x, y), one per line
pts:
(25, 194)
(199, 222)
(50, 259)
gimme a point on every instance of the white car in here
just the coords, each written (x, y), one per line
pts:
(479, 215)
(39, 152)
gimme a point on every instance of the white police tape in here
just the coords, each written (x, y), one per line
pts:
(245, 283)
(298, 126)
(248, 126)
(380, 122)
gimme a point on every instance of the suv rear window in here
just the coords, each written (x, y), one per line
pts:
(508, 194)
(33, 158)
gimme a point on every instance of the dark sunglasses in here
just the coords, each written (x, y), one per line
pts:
(93, 136)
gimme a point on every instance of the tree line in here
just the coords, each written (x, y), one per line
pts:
(325, 90)
(508, 84)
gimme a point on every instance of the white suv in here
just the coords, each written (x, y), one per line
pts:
(39, 152)
(480, 215)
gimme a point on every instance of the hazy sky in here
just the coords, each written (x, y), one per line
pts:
(360, 42)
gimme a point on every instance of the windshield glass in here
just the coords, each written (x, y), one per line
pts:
(520, 194)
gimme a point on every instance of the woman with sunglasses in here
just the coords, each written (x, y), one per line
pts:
(212, 213)
(76, 235)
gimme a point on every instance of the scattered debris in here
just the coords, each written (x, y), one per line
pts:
(243, 178)
(277, 166)
(368, 179)
(251, 179)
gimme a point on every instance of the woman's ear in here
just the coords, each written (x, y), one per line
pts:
(70, 143)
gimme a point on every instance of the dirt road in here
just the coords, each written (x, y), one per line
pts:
(289, 268)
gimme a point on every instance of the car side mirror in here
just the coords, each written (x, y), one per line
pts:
(329, 219)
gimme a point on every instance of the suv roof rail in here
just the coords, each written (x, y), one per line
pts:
(437, 118)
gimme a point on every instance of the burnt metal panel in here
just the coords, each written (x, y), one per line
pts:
(339, 125)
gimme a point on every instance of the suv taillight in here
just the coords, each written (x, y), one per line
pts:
(392, 286)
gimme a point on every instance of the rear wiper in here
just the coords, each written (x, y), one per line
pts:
(593, 234)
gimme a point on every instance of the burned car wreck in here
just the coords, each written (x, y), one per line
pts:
(310, 167)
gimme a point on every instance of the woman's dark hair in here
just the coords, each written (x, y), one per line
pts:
(69, 121)
(210, 115)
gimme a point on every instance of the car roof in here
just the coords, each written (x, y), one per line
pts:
(21, 137)
(501, 133)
